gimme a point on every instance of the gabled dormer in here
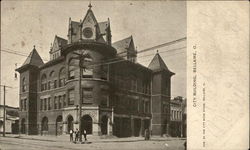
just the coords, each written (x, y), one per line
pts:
(126, 48)
(55, 50)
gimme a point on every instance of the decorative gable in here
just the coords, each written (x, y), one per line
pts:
(55, 50)
(89, 26)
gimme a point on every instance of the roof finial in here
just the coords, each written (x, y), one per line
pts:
(34, 46)
(157, 51)
(90, 5)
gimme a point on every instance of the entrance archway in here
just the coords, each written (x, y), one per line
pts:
(45, 127)
(59, 125)
(86, 124)
(23, 126)
(70, 122)
(104, 125)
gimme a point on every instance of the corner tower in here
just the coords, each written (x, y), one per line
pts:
(161, 95)
(29, 73)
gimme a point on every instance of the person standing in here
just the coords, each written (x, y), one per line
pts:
(85, 134)
(76, 135)
(71, 135)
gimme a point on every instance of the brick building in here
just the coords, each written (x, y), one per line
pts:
(178, 117)
(119, 96)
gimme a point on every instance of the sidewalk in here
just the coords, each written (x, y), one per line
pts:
(91, 138)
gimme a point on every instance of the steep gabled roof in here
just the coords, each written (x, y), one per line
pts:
(89, 12)
(33, 59)
(158, 64)
(58, 41)
(122, 45)
(61, 41)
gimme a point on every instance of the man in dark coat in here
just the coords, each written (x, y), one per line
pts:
(76, 134)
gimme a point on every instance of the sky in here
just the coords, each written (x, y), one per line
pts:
(28, 23)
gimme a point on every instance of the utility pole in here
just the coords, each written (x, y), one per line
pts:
(80, 95)
(4, 107)
(4, 117)
(81, 57)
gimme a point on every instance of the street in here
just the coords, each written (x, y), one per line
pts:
(94, 143)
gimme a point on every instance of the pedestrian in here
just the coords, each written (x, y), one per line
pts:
(146, 134)
(185, 145)
(71, 135)
(85, 134)
(76, 135)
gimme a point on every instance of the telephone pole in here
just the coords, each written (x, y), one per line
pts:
(4, 107)
(4, 117)
(81, 57)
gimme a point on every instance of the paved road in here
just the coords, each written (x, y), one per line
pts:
(10, 143)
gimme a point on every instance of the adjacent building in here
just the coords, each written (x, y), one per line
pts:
(178, 117)
(11, 119)
(119, 96)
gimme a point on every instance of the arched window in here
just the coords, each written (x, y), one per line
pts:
(51, 78)
(62, 77)
(87, 72)
(43, 82)
(24, 85)
(71, 69)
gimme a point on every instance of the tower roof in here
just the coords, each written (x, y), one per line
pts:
(33, 59)
(157, 64)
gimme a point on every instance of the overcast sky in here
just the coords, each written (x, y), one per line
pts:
(28, 23)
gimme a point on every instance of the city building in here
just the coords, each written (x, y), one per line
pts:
(178, 117)
(11, 119)
(114, 94)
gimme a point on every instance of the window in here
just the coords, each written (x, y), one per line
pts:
(49, 105)
(43, 82)
(55, 84)
(104, 72)
(88, 71)
(147, 106)
(49, 85)
(59, 102)
(21, 103)
(133, 84)
(71, 69)
(24, 85)
(45, 104)
(25, 104)
(87, 95)
(55, 102)
(71, 98)
(62, 77)
(64, 100)
(41, 104)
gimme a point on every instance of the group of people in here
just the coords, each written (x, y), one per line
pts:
(77, 135)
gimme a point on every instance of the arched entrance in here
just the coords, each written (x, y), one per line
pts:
(59, 125)
(70, 123)
(45, 127)
(104, 125)
(86, 124)
(23, 126)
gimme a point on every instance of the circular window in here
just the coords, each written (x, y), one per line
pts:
(87, 32)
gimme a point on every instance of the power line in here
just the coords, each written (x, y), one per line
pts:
(18, 53)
